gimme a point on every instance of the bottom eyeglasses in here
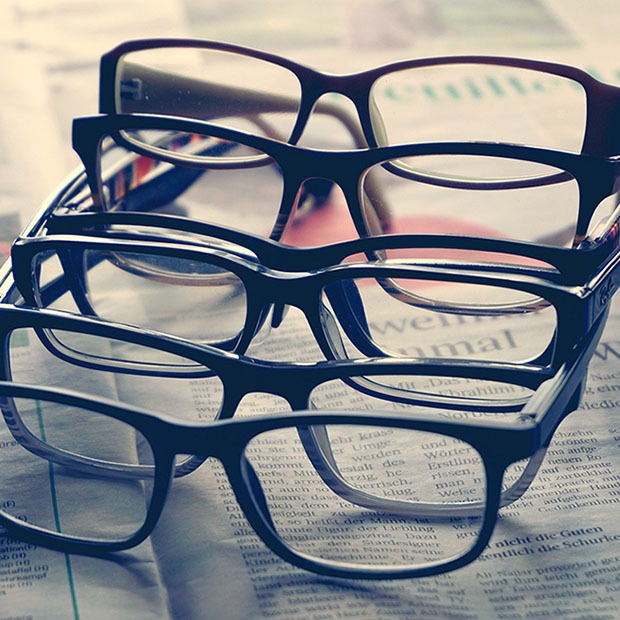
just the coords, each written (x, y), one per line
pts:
(105, 487)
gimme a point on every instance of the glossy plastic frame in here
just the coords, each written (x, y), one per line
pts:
(602, 130)
(499, 442)
(597, 177)
(576, 307)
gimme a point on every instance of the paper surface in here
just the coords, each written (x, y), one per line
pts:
(554, 553)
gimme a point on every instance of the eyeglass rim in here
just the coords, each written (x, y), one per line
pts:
(563, 268)
(577, 164)
(575, 264)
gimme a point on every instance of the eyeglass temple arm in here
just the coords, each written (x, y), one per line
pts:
(562, 404)
(211, 100)
(66, 458)
(317, 446)
(522, 484)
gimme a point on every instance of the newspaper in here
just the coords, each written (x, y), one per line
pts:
(554, 553)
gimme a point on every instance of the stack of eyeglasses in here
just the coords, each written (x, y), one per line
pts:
(460, 321)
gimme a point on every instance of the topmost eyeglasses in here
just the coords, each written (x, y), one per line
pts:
(421, 100)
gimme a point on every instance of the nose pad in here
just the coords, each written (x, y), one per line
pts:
(257, 491)
(313, 194)
(332, 333)
(278, 314)
(263, 327)
(378, 126)
(347, 303)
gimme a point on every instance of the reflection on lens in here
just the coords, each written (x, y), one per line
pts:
(196, 176)
(411, 476)
(206, 151)
(190, 299)
(462, 102)
(479, 196)
(398, 392)
(88, 502)
(143, 376)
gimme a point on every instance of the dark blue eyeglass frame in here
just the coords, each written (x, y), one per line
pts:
(499, 442)
(240, 376)
(597, 179)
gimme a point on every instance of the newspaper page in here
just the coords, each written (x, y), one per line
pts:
(554, 552)
(28, 130)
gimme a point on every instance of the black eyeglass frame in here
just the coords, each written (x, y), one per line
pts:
(596, 177)
(500, 443)
(576, 307)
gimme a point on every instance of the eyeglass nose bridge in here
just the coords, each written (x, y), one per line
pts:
(315, 98)
(204, 443)
(283, 290)
(351, 172)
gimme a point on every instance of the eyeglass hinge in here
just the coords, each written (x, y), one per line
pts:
(132, 89)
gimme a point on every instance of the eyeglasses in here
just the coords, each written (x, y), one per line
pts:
(255, 184)
(201, 384)
(422, 100)
(144, 269)
(367, 308)
(558, 264)
(114, 502)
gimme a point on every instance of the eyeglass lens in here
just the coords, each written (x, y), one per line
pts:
(441, 102)
(83, 502)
